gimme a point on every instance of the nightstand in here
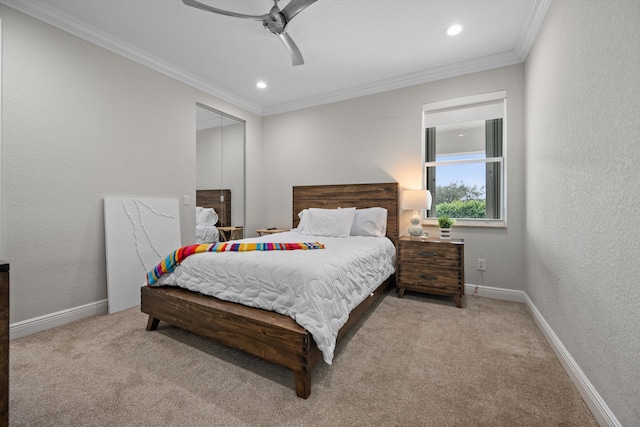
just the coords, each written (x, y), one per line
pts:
(234, 233)
(4, 343)
(432, 266)
(264, 231)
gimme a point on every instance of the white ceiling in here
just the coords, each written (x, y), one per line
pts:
(351, 47)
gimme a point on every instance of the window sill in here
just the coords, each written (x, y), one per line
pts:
(476, 223)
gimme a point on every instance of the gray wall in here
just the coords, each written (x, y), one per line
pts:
(79, 124)
(379, 138)
(582, 157)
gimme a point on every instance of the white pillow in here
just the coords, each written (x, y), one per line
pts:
(206, 215)
(370, 222)
(327, 222)
(304, 220)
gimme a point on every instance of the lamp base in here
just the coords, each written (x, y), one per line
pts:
(415, 230)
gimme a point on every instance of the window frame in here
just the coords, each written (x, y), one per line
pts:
(457, 103)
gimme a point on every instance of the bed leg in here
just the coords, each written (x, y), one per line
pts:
(152, 323)
(303, 383)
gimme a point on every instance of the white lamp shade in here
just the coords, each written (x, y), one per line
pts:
(416, 200)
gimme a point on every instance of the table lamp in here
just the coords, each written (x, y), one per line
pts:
(416, 200)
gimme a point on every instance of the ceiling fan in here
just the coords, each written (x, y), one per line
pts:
(275, 21)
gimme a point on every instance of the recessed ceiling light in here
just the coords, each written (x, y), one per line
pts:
(261, 85)
(461, 134)
(454, 29)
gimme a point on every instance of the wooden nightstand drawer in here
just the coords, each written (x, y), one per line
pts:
(433, 254)
(429, 277)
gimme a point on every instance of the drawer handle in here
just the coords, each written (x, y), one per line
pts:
(427, 276)
(427, 254)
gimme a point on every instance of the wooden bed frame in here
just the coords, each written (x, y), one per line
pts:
(269, 335)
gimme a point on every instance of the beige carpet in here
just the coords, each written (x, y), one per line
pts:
(413, 361)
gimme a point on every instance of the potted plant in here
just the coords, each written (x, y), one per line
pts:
(445, 223)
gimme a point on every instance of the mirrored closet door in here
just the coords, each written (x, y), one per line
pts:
(220, 171)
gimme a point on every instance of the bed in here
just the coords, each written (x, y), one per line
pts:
(213, 211)
(266, 334)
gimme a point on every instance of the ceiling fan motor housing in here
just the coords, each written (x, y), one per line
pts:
(278, 22)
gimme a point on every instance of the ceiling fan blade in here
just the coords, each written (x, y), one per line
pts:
(275, 21)
(296, 56)
(198, 5)
(294, 7)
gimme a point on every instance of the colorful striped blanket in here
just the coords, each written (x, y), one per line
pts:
(174, 259)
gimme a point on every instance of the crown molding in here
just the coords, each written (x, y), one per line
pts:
(412, 79)
(532, 23)
(51, 16)
(533, 20)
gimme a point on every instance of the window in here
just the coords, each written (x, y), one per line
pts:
(464, 161)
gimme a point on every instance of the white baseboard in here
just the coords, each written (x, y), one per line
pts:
(592, 398)
(48, 321)
(496, 293)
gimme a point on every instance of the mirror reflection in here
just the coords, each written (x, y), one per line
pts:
(219, 176)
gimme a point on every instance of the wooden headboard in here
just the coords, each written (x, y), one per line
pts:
(384, 195)
(211, 199)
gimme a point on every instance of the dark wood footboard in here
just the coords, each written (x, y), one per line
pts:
(265, 334)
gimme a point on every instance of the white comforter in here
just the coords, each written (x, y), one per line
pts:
(207, 233)
(316, 288)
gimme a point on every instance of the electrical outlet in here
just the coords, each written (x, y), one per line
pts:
(482, 264)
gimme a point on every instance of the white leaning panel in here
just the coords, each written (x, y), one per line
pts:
(139, 233)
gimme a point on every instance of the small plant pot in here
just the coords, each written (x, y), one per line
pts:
(445, 233)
